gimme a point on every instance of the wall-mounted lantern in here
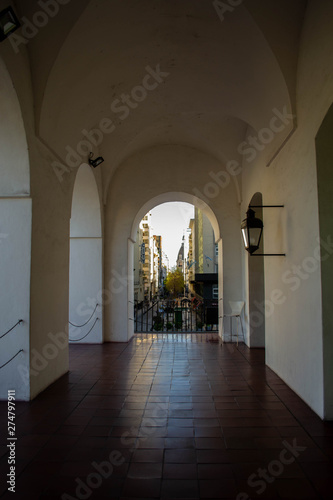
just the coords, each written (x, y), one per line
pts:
(252, 229)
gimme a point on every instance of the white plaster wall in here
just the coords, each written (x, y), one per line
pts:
(324, 154)
(15, 243)
(85, 289)
(48, 250)
(85, 282)
(294, 327)
(86, 211)
(49, 271)
(14, 159)
(146, 175)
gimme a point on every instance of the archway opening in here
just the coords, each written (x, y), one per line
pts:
(175, 271)
(324, 151)
(256, 272)
(203, 223)
(85, 280)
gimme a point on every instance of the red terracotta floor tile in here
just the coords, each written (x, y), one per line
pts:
(213, 456)
(179, 488)
(142, 488)
(143, 455)
(179, 442)
(208, 432)
(188, 418)
(295, 489)
(139, 470)
(180, 432)
(217, 488)
(181, 456)
(180, 471)
(215, 471)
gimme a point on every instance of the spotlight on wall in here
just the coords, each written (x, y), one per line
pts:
(97, 161)
(252, 229)
(8, 23)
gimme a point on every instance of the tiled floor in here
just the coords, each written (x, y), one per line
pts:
(169, 417)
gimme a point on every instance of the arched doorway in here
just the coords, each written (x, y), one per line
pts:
(15, 245)
(158, 175)
(257, 287)
(324, 151)
(85, 281)
(158, 200)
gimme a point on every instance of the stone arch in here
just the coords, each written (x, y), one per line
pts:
(157, 172)
(85, 277)
(158, 200)
(176, 196)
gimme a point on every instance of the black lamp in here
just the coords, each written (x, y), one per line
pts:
(97, 161)
(251, 231)
(252, 228)
(8, 23)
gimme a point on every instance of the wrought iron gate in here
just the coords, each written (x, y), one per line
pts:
(180, 315)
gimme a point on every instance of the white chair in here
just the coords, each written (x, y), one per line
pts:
(236, 307)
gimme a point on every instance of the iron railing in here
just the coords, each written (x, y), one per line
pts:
(180, 315)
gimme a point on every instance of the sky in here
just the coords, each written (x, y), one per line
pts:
(171, 220)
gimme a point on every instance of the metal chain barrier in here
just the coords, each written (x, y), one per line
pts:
(12, 328)
(77, 340)
(84, 324)
(11, 359)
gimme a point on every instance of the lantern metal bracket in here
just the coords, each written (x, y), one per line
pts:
(267, 254)
(266, 206)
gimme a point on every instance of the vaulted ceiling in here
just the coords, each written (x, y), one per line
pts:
(225, 76)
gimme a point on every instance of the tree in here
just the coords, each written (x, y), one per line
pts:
(174, 282)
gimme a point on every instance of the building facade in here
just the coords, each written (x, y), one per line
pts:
(181, 258)
(157, 264)
(202, 264)
(139, 261)
(147, 264)
(148, 272)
